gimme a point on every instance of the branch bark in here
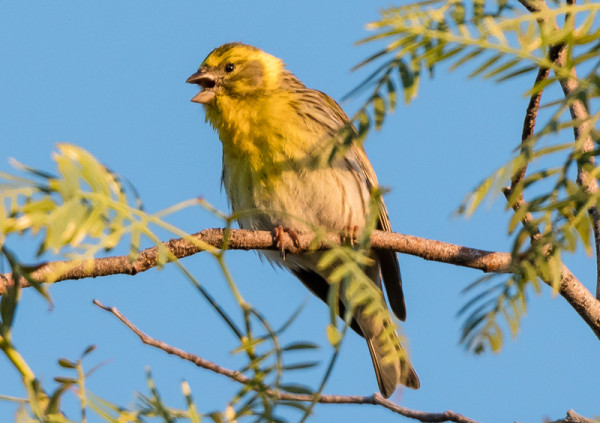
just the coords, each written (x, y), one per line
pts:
(570, 287)
(583, 137)
(375, 399)
(241, 239)
(573, 417)
(526, 134)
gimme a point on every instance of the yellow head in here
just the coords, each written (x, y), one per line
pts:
(236, 70)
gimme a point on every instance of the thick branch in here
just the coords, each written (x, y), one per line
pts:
(582, 132)
(487, 261)
(241, 239)
(375, 399)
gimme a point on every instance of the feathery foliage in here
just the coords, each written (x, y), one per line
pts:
(85, 210)
(497, 41)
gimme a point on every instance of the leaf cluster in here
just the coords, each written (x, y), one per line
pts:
(43, 204)
(496, 40)
(499, 42)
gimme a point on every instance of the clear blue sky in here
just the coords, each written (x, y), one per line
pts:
(110, 76)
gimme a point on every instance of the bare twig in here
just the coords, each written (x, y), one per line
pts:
(529, 123)
(375, 399)
(570, 287)
(198, 361)
(519, 175)
(527, 133)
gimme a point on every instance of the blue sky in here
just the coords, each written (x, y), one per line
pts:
(110, 77)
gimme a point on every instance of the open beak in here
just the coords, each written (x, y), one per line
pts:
(207, 81)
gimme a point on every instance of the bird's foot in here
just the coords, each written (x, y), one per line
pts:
(350, 235)
(278, 238)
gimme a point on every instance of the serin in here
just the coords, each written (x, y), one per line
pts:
(278, 169)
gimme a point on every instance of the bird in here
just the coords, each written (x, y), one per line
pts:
(280, 175)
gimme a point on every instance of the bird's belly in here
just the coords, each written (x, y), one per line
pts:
(333, 198)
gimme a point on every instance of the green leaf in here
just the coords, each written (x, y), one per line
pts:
(364, 123)
(522, 70)
(494, 337)
(478, 10)
(379, 111)
(88, 350)
(66, 363)
(192, 412)
(66, 380)
(477, 196)
(485, 65)
(392, 98)
(571, 242)
(300, 346)
(516, 218)
(466, 58)
(502, 68)
(407, 77)
(458, 13)
(301, 366)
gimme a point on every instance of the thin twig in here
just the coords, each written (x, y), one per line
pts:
(375, 399)
(529, 123)
(526, 134)
(198, 361)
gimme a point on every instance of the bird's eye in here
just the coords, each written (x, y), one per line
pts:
(229, 67)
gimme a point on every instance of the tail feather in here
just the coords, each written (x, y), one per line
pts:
(390, 360)
(391, 367)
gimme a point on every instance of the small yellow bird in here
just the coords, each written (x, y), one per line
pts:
(275, 132)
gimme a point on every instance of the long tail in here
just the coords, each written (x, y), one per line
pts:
(390, 360)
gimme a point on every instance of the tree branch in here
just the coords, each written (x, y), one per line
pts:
(241, 239)
(573, 417)
(526, 134)
(570, 287)
(582, 130)
(375, 399)
(529, 124)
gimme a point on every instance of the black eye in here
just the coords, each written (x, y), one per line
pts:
(229, 67)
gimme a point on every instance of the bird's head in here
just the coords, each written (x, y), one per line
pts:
(236, 70)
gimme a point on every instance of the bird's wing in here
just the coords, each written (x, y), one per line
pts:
(390, 269)
(388, 261)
